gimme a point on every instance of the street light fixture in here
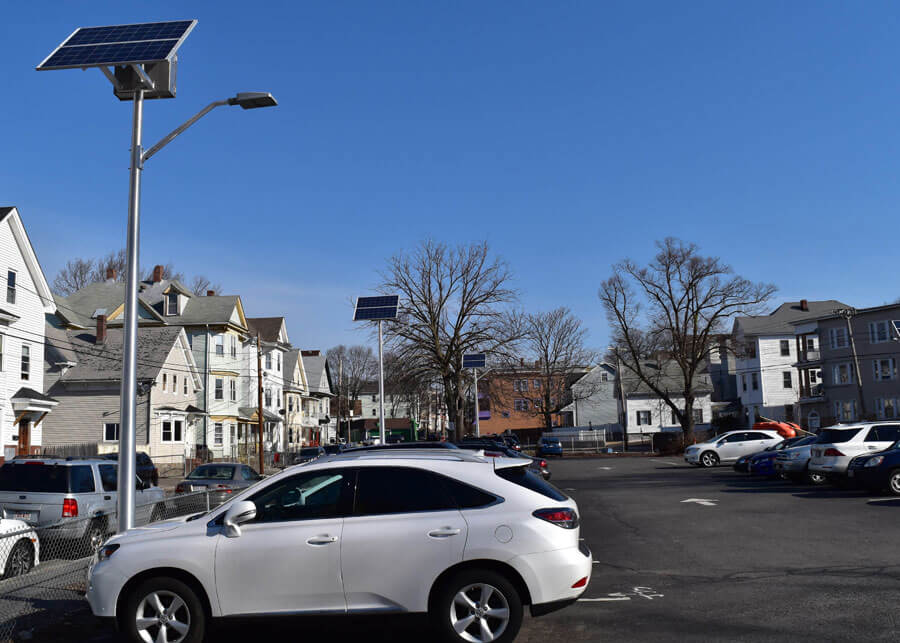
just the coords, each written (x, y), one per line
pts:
(140, 61)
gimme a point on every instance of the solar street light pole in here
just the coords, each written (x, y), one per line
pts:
(381, 431)
(128, 397)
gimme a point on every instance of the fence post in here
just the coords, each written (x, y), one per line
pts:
(206, 493)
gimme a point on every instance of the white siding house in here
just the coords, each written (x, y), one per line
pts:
(24, 301)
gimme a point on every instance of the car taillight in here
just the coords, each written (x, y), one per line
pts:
(561, 517)
(543, 464)
(70, 508)
(224, 487)
(179, 488)
(832, 453)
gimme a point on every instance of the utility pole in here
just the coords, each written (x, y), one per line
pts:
(340, 396)
(848, 314)
(259, 410)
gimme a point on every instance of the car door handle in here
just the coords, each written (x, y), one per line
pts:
(444, 532)
(325, 539)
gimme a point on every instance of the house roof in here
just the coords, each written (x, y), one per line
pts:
(779, 321)
(666, 376)
(25, 393)
(103, 362)
(317, 375)
(268, 328)
(10, 215)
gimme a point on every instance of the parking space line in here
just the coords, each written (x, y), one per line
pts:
(598, 600)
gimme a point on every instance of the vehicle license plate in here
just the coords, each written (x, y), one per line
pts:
(27, 516)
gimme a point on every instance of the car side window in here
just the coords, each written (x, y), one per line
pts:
(108, 477)
(397, 490)
(466, 496)
(305, 496)
(735, 437)
(884, 433)
(758, 436)
(249, 474)
(81, 479)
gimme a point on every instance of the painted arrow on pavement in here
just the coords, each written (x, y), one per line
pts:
(706, 502)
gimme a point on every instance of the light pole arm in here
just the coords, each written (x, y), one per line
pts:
(171, 136)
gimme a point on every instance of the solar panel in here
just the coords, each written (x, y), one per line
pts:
(119, 45)
(373, 308)
(474, 360)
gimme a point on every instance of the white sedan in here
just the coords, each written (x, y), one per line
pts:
(730, 446)
(19, 547)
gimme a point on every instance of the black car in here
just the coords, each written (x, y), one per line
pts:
(308, 454)
(333, 449)
(877, 471)
(145, 469)
(493, 448)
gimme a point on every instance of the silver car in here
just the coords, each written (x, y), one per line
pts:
(793, 462)
(838, 445)
(730, 446)
(220, 479)
(72, 498)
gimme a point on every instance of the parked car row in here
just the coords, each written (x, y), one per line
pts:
(863, 454)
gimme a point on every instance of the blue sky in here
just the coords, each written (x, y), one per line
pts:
(569, 135)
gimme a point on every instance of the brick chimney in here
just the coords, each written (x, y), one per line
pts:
(309, 353)
(110, 274)
(804, 305)
(210, 293)
(157, 274)
(101, 330)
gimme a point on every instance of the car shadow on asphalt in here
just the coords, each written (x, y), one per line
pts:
(398, 629)
(755, 485)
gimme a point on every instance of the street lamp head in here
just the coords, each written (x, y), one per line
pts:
(252, 100)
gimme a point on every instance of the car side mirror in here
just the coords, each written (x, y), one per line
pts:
(238, 513)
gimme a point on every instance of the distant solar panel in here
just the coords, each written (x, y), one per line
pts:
(119, 45)
(474, 360)
(374, 308)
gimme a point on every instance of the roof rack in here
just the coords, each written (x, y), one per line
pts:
(459, 455)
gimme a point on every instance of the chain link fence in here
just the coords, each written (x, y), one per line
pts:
(44, 570)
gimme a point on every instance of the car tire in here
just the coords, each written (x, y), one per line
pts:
(894, 482)
(814, 478)
(460, 600)
(709, 459)
(20, 560)
(141, 616)
(94, 537)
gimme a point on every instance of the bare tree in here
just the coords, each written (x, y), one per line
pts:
(554, 342)
(452, 301)
(115, 261)
(74, 276)
(666, 317)
(200, 285)
(352, 367)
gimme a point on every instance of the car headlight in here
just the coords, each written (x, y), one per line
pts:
(106, 551)
(874, 462)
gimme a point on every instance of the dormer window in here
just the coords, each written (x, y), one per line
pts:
(172, 303)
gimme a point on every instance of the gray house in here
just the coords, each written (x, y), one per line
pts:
(594, 398)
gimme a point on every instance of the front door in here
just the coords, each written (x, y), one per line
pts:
(405, 530)
(24, 446)
(288, 559)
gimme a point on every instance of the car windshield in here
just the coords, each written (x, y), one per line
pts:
(837, 436)
(212, 472)
(310, 451)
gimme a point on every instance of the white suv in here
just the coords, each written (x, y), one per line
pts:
(837, 445)
(467, 539)
(730, 446)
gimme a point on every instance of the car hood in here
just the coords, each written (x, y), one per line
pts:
(9, 525)
(151, 530)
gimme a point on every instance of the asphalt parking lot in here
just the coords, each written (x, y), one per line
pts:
(685, 554)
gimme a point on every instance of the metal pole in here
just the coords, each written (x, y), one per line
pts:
(259, 407)
(477, 413)
(381, 432)
(128, 391)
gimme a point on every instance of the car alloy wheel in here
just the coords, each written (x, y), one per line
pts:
(894, 483)
(20, 561)
(479, 613)
(709, 459)
(162, 616)
(816, 478)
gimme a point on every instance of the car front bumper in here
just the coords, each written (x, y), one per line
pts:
(868, 477)
(692, 457)
(103, 587)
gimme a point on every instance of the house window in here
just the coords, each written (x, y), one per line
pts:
(268, 361)
(111, 432)
(842, 374)
(374, 412)
(754, 381)
(698, 416)
(886, 407)
(643, 417)
(174, 383)
(232, 389)
(785, 348)
(11, 287)
(845, 411)
(374, 398)
(786, 379)
(171, 431)
(536, 384)
(885, 369)
(218, 434)
(290, 404)
(1, 351)
(520, 404)
(172, 303)
(879, 332)
(750, 349)
(184, 379)
(220, 344)
(838, 337)
(604, 377)
(233, 345)
(268, 397)
(220, 388)
(165, 382)
(26, 361)
(744, 382)
(813, 377)
(278, 362)
(520, 385)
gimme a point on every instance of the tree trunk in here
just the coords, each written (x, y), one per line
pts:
(687, 421)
